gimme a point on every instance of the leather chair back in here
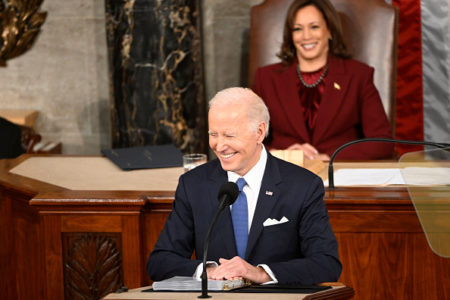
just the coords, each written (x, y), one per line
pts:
(370, 28)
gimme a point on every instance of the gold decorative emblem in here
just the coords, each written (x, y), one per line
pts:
(337, 86)
(20, 23)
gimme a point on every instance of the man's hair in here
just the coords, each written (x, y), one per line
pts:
(257, 110)
(337, 44)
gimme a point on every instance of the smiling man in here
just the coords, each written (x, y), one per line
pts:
(237, 128)
(278, 228)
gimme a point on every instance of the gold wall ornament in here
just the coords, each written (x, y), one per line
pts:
(20, 23)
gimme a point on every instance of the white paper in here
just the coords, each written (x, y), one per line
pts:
(426, 176)
(381, 177)
(186, 283)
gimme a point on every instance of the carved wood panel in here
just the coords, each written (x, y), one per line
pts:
(92, 264)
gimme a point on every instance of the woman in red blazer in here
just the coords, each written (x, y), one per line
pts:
(317, 96)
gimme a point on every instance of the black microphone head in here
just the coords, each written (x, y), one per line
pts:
(229, 190)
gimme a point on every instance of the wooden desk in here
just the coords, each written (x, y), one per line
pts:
(60, 242)
(25, 117)
(337, 292)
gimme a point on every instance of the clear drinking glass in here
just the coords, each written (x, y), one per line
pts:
(193, 160)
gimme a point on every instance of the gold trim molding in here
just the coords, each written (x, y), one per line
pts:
(20, 23)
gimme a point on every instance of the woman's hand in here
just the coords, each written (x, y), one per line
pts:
(309, 151)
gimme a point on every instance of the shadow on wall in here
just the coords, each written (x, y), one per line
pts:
(244, 57)
(96, 135)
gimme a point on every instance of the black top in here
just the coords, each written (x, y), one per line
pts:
(10, 139)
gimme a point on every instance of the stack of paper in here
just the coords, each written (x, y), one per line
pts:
(185, 283)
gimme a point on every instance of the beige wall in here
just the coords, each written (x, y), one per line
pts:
(64, 76)
(226, 26)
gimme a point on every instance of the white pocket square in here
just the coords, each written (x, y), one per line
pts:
(271, 222)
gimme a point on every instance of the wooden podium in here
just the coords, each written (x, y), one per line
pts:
(79, 227)
(336, 292)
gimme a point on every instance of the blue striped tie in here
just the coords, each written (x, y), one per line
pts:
(239, 214)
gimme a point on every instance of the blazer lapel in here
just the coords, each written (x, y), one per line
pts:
(290, 100)
(332, 98)
(268, 196)
(224, 225)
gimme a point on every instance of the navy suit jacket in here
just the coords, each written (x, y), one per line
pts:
(303, 250)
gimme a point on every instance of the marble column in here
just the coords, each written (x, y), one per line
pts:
(155, 69)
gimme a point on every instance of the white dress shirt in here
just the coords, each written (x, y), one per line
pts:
(253, 179)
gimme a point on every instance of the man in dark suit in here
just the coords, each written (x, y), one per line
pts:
(287, 235)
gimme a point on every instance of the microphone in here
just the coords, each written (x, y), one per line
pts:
(330, 166)
(228, 193)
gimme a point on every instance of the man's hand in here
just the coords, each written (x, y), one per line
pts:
(238, 268)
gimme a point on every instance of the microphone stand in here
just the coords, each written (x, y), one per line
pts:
(330, 165)
(230, 193)
(205, 252)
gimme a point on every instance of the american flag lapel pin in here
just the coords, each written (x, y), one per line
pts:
(269, 193)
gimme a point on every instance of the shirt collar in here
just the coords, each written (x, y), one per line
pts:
(255, 175)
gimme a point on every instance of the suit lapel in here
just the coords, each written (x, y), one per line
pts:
(332, 98)
(268, 196)
(290, 100)
(224, 225)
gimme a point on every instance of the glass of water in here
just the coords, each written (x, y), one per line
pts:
(193, 160)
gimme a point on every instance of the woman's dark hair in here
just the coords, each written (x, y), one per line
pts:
(337, 45)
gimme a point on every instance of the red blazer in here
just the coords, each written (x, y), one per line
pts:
(350, 109)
